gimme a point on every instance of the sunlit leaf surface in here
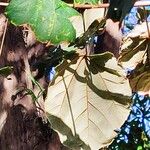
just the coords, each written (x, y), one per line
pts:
(87, 100)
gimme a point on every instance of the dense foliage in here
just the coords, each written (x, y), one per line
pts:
(89, 95)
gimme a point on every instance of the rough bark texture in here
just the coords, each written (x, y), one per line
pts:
(22, 127)
(24, 130)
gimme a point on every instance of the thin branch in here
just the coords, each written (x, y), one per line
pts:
(88, 6)
(3, 4)
(106, 5)
(148, 31)
(3, 38)
(146, 15)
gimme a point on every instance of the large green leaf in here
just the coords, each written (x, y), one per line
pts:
(49, 19)
(86, 103)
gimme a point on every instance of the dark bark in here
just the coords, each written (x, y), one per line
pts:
(24, 130)
(22, 127)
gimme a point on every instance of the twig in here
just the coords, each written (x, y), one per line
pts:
(3, 4)
(3, 38)
(88, 6)
(146, 15)
(106, 5)
(148, 31)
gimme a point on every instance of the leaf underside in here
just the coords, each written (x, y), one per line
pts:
(86, 103)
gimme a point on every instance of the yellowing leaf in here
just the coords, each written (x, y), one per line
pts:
(86, 103)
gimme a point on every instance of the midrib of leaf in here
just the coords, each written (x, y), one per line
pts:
(71, 113)
(67, 94)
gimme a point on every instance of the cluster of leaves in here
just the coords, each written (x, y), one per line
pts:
(89, 95)
(134, 134)
(50, 19)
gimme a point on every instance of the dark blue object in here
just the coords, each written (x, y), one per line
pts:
(130, 21)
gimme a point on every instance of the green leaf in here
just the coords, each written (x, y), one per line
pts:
(49, 19)
(24, 92)
(145, 141)
(86, 103)
(140, 148)
(5, 71)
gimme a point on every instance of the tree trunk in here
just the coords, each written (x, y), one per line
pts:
(22, 125)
